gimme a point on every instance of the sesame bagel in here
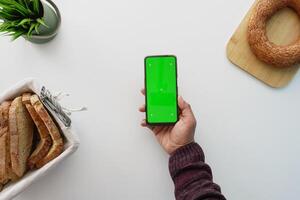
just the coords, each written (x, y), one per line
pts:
(265, 50)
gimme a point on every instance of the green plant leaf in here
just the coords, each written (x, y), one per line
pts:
(15, 8)
(20, 17)
(16, 35)
(24, 21)
(36, 5)
(36, 28)
(24, 3)
(29, 33)
(41, 21)
(7, 16)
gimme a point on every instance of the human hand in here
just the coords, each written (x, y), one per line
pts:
(178, 135)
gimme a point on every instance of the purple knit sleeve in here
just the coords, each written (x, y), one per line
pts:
(192, 176)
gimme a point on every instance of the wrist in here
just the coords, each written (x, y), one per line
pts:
(174, 147)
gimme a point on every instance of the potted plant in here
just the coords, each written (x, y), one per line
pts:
(36, 20)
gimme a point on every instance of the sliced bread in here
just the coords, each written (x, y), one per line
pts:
(4, 145)
(45, 141)
(57, 141)
(21, 129)
(6, 173)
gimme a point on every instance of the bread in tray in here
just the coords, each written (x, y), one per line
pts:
(4, 144)
(57, 140)
(21, 129)
(20, 120)
(45, 140)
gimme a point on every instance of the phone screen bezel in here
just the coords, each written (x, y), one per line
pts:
(145, 84)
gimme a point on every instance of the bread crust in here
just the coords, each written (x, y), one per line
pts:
(6, 173)
(57, 141)
(265, 50)
(21, 135)
(45, 142)
(4, 150)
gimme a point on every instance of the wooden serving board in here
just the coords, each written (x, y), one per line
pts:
(282, 29)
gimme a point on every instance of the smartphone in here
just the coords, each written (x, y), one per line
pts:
(161, 90)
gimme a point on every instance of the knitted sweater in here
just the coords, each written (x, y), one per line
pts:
(192, 176)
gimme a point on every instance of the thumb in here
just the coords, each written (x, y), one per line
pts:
(185, 109)
(182, 103)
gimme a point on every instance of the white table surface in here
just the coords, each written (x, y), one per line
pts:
(250, 132)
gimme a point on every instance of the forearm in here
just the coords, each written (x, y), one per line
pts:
(192, 176)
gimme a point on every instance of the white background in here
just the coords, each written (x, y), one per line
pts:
(250, 132)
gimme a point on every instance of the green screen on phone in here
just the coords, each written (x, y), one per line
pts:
(161, 89)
